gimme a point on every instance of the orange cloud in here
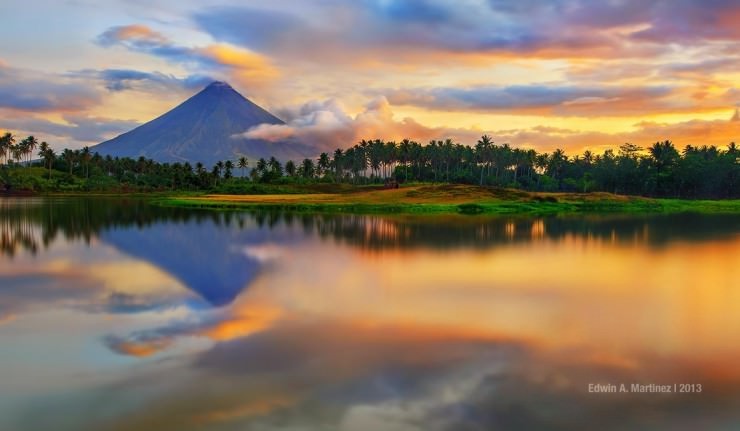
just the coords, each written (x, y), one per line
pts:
(138, 31)
(142, 349)
(246, 66)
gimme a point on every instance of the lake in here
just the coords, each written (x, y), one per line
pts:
(119, 315)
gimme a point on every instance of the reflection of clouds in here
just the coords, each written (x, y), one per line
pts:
(139, 346)
(22, 292)
(265, 252)
(118, 302)
(219, 326)
(570, 291)
(317, 375)
(59, 283)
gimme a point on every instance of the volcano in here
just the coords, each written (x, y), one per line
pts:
(205, 128)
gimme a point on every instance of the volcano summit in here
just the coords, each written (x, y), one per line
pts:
(205, 128)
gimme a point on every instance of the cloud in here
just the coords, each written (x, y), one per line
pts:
(127, 79)
(78, 127)
(259, 28)
(327, 126)
(394, 31)
(27, 90)
(693, 132)
(244, 65)
(132, 35)
(692, 22)
(566, 99)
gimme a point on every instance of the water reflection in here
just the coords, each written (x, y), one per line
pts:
(120, 315)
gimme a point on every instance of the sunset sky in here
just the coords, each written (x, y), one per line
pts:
(574, 74)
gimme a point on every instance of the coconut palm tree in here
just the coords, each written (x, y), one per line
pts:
(69, 158)
(337, 162)
(7, 141)
(228, 167)
(242, 164)
(483, 154)
(46, 153)
(85, 156)
(290, 168)
(323, 163)
(30, 145)
(276, 168)
(307, 168)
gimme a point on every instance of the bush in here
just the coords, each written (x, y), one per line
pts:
(470, 209)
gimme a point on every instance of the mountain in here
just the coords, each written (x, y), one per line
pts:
(205, 129)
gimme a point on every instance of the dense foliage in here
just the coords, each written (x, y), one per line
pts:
(660, 170)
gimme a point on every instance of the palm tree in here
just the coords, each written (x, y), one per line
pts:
(276, 169)
(483, 153)
(30, 146)
(69, 158)
(404, 151)
(290, 168)
(18, 151)
(47, 155)
(6, 144)
(85, 157)
(323, 163)
(242, 164)
(337, 161)
(307, 168)
(228, 166)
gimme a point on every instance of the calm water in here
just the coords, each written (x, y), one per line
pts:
(123, 316)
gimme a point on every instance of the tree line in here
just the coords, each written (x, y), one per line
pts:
(659, 170)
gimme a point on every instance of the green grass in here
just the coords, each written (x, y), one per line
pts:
(441, 199)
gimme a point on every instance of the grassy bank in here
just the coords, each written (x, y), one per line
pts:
(436, 199)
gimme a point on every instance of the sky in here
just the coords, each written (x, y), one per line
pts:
(571, 74)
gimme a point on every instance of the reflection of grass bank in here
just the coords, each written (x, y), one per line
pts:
(452, 199)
